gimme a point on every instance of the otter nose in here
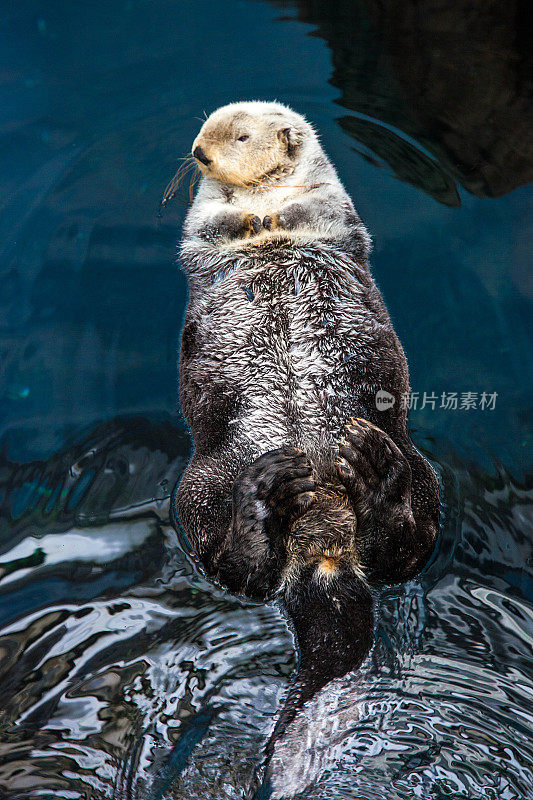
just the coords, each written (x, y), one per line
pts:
(199, 154)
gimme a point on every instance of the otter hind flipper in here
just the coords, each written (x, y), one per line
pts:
(396, 532)
(268, 495)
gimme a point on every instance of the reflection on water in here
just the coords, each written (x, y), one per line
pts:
(123, 672)
(452, 80)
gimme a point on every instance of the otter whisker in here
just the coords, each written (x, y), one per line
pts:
(187, 164)
(176, 179)
(194, 180)
(171, 189)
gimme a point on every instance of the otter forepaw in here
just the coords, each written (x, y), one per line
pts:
(371, 466)
(271, 222)
(252, 224)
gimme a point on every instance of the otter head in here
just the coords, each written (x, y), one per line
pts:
(250, 144)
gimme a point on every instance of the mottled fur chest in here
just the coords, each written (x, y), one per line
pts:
(282, 330)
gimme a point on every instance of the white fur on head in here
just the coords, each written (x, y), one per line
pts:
(249, 143)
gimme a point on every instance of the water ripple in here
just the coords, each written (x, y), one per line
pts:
(168, 687)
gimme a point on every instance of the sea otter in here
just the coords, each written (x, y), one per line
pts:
(300, 489)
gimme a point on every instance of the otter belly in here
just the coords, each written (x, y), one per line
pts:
(282, 335)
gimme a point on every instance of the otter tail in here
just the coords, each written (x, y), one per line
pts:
(331, 609)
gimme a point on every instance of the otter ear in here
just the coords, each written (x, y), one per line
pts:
(292, 138)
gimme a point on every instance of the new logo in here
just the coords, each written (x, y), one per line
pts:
(384, 400)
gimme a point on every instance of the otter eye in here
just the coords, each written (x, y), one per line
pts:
(243, 138)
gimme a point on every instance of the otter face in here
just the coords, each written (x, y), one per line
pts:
(250, 144)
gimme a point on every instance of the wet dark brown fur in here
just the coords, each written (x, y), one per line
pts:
(299, 488)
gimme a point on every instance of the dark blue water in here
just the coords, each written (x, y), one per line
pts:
(123, 672)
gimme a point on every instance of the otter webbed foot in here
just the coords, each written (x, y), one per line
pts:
(372, 467)
(276, 488)
(377, 478)
(272, 492)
